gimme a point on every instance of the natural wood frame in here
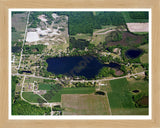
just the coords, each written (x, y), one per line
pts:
(6, 4)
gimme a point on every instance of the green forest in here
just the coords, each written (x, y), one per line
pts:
(21, 107)
(79, 44)
(85, 22)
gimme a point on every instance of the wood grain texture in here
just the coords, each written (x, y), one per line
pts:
(6, 4)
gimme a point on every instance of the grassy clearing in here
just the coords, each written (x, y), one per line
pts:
(97, 39)
(139, 69)
(138, 85)
(55, 95)
(144, 47)
(32, 79)
(133, 111)
(144, 58)
(17, 35)
(106, 27)
(46, 86)
(120, 96)
(82, 36)
(84, 104)
(31, 97)
(140, 33)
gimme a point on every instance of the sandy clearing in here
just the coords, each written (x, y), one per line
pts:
(138, 27)
(42, 32)
(54, 15)
(32, 36)
(42, 18)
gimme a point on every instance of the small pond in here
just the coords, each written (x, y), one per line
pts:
(135, 91)
(133, 53)
(26, 72)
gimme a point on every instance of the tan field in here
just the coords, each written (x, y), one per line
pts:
(84, 104)
(138, 27)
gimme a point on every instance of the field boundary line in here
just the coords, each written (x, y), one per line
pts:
(24, 40)
(108, 103)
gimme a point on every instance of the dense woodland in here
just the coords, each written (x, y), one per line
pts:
(21, 107)
(85, 22)
(138, 15)
(17, 12)
(79, 44)
(14, 82)
(16, 47)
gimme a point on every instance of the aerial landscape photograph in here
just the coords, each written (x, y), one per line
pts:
(79, 63)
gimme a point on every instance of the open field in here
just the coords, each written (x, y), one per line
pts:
(144, 58)
(55, 94)
(120, 96)
(18, 26)
(96, 39)
(46, 86)
(138, 27)
(84, 104)
(139, 69)
(31, 97)
(140, 85)
(82, 36)
(17, 36)
(19, 21)
(144, 47)
(140, 33)
(32, 79)
(128, 111)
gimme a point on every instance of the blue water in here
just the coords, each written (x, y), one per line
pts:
(133, 53)
(87, 66)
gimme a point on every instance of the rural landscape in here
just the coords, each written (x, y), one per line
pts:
(79, 63)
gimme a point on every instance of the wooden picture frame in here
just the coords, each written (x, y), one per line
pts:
(4, 53)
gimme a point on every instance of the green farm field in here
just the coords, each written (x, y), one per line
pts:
(120, 96)
(55, 95)
(46, 86)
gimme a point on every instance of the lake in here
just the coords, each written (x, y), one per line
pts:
(133, 53)
(87, 66)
